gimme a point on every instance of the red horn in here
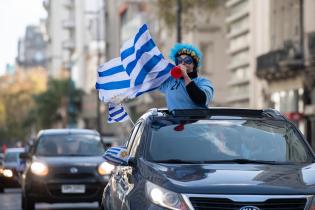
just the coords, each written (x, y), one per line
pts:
(176, 72)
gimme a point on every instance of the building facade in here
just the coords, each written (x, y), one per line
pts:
(288, 66)
(56, 54)
(32, 49)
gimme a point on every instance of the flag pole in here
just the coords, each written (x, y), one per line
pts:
(133, 124)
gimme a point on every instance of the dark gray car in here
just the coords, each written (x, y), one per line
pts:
(218, 159)
(64, 166)
(10, 172)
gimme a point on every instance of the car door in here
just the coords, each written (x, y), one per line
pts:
(128, 172)
(118, 187)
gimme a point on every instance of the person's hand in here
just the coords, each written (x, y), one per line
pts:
(183, 68)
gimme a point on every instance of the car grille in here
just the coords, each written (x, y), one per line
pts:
(73, 176)
(201, 203)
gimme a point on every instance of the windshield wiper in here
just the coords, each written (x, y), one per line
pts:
(177, 161)
(246, 161)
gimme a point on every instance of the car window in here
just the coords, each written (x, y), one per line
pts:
(208, 140)
(136, 141)
(70, 145)
(11, 157)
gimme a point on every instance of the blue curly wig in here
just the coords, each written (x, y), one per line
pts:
(187, 49)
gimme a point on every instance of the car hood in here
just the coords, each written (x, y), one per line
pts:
(70, 160)
(232, 178)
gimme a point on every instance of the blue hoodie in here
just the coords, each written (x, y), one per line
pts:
(177, 97)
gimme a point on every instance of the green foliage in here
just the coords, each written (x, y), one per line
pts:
(167, 10)
(52, 103)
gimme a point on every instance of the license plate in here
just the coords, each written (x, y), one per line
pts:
(73, 188)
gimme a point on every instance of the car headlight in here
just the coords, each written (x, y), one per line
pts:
(165, 198)
(7, 173)
(39, 169)
(105, 168)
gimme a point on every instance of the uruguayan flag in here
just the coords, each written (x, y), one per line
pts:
(144, 63)
(116, 113)
(140, 68)
(117, 156)
(112, 81)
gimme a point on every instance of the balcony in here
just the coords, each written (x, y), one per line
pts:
(279, 64)
(68, 24)
(68, 45)
(69, 4)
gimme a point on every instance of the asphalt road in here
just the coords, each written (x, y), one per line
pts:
(11, 200)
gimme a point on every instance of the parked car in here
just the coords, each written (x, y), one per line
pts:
(10, 177)
(64, 165)
(216, 158)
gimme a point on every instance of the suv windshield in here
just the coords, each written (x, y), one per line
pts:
(70, 145)
(235, 139)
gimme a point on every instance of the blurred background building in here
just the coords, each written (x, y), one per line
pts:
(32, 48)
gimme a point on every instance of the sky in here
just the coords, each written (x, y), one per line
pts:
(15, 15)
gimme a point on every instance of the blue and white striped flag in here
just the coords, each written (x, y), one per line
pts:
(117, 155)
(116, 113)
(144, 63)
(140, 68)
(112, 81)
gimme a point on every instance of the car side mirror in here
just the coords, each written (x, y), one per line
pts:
(24, 155)
(117, 156)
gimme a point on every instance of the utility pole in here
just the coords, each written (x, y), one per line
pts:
(178, 20)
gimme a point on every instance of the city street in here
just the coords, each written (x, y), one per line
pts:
(11, 200)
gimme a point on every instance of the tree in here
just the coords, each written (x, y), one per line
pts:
(60, 101)
(16, 101)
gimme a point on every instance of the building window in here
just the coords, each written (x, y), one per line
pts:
(239, 41)
(240, 90)
(241, 73)
(208, 58)
(238, 8)
(287, 101)
(239, 25)
(239, 58)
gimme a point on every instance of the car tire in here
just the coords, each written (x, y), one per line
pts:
(1, 190)
(27, 203)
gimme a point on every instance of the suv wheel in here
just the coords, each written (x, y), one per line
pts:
(27, 203)
(1, 190)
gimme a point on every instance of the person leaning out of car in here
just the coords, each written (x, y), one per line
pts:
(189, 91)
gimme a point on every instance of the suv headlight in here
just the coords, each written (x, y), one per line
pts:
(39, 169)
(105, 168)
(164, 197)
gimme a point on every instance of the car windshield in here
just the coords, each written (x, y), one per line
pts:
(70, 145)
(224, 140)
(11, 157)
